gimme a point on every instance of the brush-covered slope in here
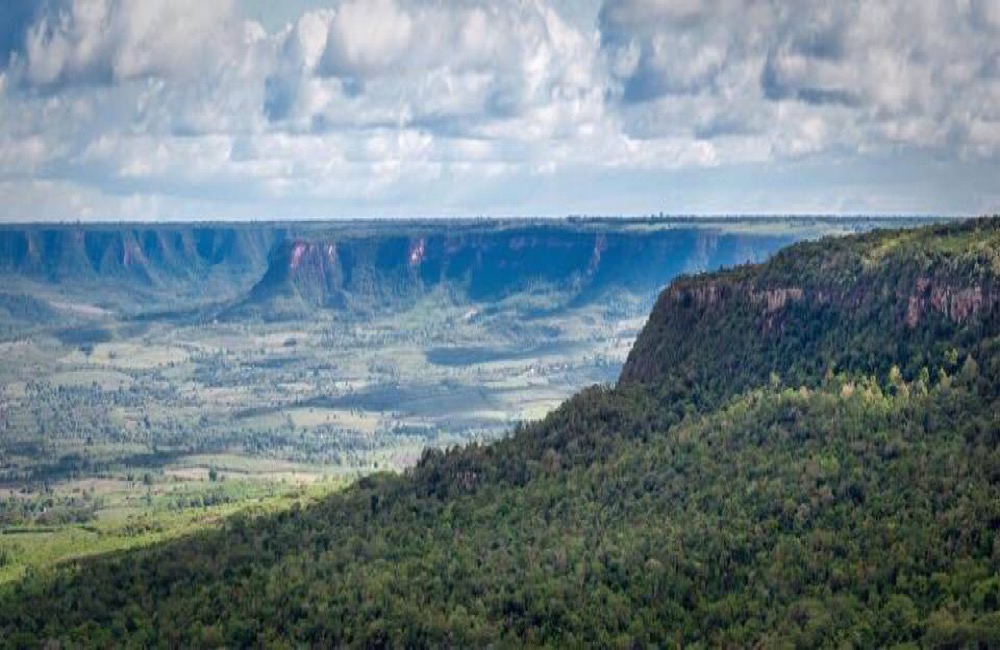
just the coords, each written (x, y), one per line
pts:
(835, 504)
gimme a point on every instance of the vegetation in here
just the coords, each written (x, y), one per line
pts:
(145, 350)
(38, 531)
(807, 454)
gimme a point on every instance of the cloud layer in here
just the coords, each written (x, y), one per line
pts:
(190, 109)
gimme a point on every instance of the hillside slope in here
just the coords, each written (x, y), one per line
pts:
(919, 299)
(817, 465)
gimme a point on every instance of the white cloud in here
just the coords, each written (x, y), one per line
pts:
(862, 75)
(368, 38)
(108, 41)
(461, 67)
(432, 105)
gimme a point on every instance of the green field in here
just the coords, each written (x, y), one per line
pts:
(136, 515)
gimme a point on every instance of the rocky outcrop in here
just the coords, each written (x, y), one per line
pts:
(775, 299)
(954, 302)
(701, 295)
(709, 294)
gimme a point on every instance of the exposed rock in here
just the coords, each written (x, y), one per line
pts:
(923, 278)
(913, 311)
(775, 299)
(956, 303)
(379, 270)
(959, 304)
(701, 295)
(160, 254)
(418, 250)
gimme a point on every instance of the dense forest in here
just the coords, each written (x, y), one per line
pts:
(801, 452)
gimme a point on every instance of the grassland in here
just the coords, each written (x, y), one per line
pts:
(136, 515)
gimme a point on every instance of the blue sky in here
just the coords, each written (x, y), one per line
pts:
(241, 109)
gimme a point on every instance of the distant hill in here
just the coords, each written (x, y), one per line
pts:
(280, 270)
(370, 272)
(804, 452)
(145, 254)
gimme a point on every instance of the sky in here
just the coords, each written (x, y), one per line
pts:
(257, 109)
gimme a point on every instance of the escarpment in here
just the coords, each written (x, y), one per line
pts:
(292, 269)
(802, 452)
(379, 272)
(157, 254)
(958, 303)
(886, 295)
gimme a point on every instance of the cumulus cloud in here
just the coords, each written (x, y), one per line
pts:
(368, 38)
(109, 41)
(456, 68)
(809, 76)
(366, 106)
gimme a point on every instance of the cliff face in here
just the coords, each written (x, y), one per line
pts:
(885, 290)
(489, 265)
(928, 296)
(154, 255)
(957, 303)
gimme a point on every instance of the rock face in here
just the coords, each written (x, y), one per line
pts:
(332, 265)
(957, 303)
(775, 299)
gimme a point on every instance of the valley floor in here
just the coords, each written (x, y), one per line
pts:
(111, 422)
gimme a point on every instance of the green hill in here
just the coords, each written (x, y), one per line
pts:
(913, 299)
(802, 452)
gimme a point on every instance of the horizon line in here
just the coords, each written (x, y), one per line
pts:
(653, 217)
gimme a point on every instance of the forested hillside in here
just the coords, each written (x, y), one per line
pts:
(915, 299)
(804, 451)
